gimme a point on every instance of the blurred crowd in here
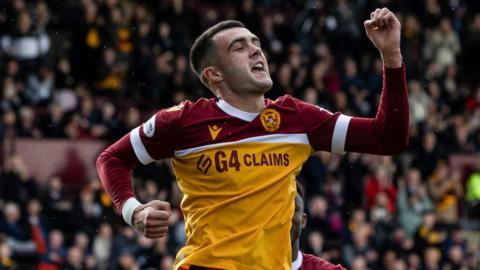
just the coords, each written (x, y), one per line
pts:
(95, 69)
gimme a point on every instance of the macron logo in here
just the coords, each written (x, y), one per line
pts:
(214, 131)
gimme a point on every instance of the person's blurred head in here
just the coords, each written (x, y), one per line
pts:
(399, 265)
(429, 141)
(55, 184)
(27, 116)
(167, 263)
(299, 219)
(9, 118)
(389, 259)
(442, 170)
(360, 236)
(105, 231)
(311, 95)
(445, 25)
(42, 14)
(455, 254)
(5, 251)
(108, 111)
(126, 260)
(428, 219)
(414, 261)
(56, 112)
(164, 29)
(359, 263)
(228, 58)
(55, 239)
(81, 240)
(90, 11)
(381, 199)
(318, 206)
(413, 177)
(350, 68)
(109, 56)
(24, 22)
(358, 216)
(12, 68)
(75, 256)
(432, 257)
(12, 212)
(133, 117)
(315, 241)
(34, 207)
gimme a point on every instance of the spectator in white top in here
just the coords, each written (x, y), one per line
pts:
(26, 42)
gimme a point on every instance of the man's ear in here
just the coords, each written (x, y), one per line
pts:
(212, 74)
(304, 220)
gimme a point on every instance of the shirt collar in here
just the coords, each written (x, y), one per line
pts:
(230, 110)
(298, 262)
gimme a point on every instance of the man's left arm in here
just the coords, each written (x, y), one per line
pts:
(387, 133)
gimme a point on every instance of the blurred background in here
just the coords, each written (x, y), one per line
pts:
(77, 75)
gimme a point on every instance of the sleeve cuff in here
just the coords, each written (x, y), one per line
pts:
(127, 210)
(394, 71)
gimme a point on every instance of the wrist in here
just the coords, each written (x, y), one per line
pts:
(128, 209)
(392, 59)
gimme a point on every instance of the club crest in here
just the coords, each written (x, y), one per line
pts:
(270, 120)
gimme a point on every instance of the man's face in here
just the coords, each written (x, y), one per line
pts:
(299, 219)
(241, 61)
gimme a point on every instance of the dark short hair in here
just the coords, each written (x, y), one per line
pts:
(203, 46)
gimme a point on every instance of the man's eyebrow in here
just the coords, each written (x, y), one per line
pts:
(241, 39)
(233, 42)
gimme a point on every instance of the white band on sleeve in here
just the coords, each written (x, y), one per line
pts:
(128, 208)
(340, 134)
(139, 148)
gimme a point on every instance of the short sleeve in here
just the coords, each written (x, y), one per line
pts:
(156, 138)
(326, 131)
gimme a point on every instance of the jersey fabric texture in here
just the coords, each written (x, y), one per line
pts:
(237, 173)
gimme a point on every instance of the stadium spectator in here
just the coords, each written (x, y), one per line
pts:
(102, 245)
(56, 252)
(429, 234)
(6, 261)
(446, 190)
(17, 184)
(25, 42)
(412, 201)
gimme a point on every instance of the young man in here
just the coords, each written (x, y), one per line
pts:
(235, 157)
(302, 261)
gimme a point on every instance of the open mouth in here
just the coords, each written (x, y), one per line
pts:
(258, 67)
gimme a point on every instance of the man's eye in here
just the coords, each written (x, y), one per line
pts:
(238, 48)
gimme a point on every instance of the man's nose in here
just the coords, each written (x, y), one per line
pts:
(254, 51)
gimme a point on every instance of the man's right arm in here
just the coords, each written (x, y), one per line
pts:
(151, 141)
(114, 167)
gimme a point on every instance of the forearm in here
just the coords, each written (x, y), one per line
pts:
(114, 167)
(392, 59)
(387, 133)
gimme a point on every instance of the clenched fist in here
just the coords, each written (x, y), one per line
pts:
(383, 29)
(151, 219)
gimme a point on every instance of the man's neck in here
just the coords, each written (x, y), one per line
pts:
(295, 248)
(247, 103)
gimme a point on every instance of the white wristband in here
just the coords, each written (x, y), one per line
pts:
(128, 208)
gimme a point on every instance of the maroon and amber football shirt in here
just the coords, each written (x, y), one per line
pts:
(237, 173)
(237, 169)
